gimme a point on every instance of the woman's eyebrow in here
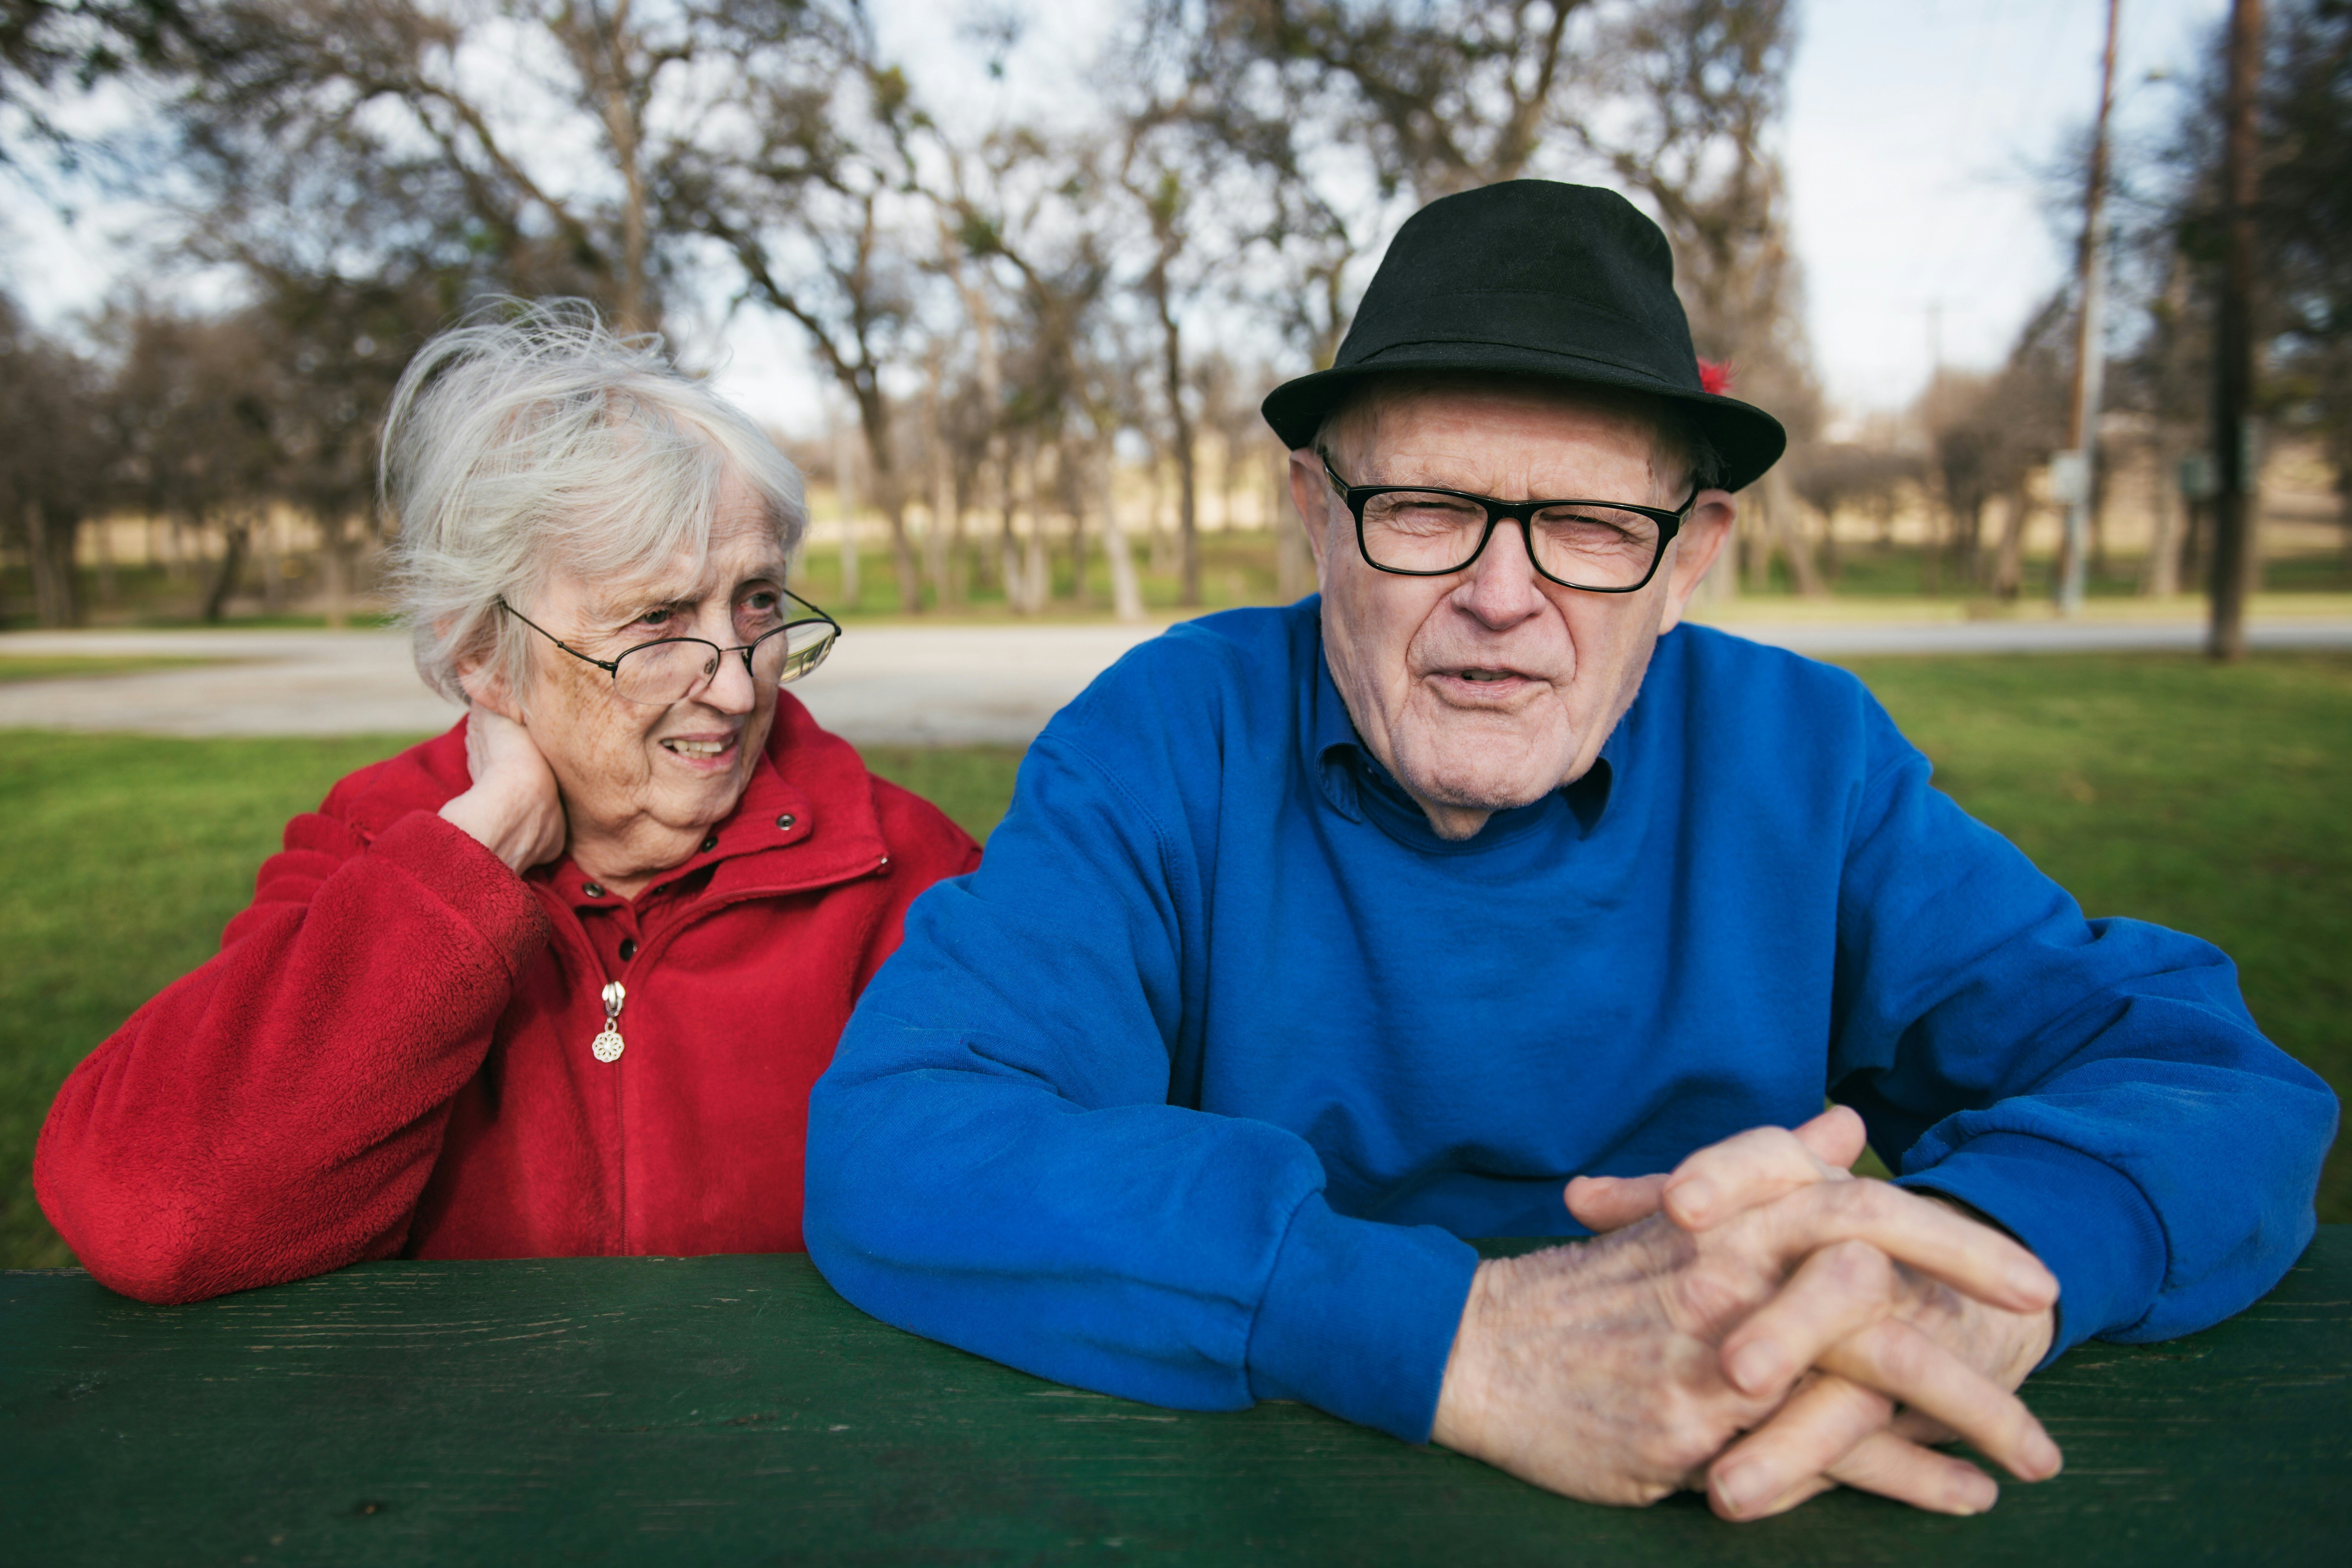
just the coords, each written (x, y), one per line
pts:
(624, 606)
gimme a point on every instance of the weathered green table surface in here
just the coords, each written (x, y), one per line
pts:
(735, 1410)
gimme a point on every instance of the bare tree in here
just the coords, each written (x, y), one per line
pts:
(2305, 217)
(815, 207)
(1989, 436)
(1160, 186)
(1444, 94)
(53, 458)
(464, 110)
(193, 418)
(1702, 83)
(50, 49)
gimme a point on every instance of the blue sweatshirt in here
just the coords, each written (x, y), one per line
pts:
(1191, 1090)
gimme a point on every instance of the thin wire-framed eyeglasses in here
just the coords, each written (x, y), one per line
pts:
(670, 670)
(1599, 547)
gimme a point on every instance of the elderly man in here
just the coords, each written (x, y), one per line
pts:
(1319, 939)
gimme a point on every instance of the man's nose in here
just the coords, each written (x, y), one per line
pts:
(1502, 587)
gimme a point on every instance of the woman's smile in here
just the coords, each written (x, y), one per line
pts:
(711, 751)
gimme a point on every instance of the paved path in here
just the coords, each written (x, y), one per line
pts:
(907, 685)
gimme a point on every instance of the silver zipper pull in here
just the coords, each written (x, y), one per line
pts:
(608, 1043)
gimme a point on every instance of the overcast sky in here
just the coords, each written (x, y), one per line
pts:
(1918, 138)
(1919, 133)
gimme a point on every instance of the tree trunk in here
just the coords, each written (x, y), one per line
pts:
(1179, 418)
(335, 569)
(2009, 562)
(1008, 538)
(1753, 543)
(943, 493)
(1036, 570)
(874, 420)
(845, 485)
(1782, 509)
(902, 555)
(232, 562)
(1937, 553)
(1070, 489)
(1125, 592)
(1163, 540)
(2161, 579)
(996, 462)
(2098, 517)
(2235, 565)
(272, 562)
(178, 564)
(109, 591)
(1967, 541)
(50, 533)
(945, 532)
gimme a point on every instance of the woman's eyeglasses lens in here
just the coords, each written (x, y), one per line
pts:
(668, 671)
(1585, 545)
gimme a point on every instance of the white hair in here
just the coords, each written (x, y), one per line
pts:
(532, 437)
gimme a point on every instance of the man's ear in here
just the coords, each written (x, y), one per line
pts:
(1310, 493)
(1704, 534)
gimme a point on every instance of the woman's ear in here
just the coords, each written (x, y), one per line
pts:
(485, 687)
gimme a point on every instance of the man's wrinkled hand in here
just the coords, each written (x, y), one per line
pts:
(1851, 1322)
(1599, 1371)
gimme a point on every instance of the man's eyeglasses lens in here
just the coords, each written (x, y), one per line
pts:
(1584, 545)
(666, 672)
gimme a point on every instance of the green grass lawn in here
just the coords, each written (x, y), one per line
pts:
(2207, 799)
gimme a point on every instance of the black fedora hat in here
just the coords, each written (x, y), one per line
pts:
(1532, 278)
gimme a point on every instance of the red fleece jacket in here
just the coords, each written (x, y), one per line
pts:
(390, 1056)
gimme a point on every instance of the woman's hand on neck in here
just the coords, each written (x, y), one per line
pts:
(514, 809)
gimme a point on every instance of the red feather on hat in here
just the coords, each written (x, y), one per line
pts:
(1715, 376)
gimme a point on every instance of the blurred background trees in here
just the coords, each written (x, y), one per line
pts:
(1043, 341)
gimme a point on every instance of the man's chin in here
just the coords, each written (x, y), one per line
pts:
(1488, 791)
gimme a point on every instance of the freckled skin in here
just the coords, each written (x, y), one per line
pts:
(633, 807)
(1571, 662)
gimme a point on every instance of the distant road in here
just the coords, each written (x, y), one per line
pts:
(894, 684)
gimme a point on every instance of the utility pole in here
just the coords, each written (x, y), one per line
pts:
(2233, 358)
(2079, 475)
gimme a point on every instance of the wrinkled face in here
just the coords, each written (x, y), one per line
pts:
(654, 777)
(1490, 688)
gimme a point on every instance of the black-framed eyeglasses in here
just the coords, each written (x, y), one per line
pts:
(670, 670)
(1601, 547)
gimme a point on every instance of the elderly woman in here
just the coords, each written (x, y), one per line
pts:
(557, 982)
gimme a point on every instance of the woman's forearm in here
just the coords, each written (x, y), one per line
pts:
(275, 1112)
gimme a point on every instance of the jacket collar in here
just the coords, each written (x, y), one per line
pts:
(807, 817)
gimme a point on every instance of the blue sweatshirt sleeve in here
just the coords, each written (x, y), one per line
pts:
(2097, 1086)
(993, 1161)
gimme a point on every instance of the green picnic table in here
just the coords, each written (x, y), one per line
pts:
(735, 1410)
